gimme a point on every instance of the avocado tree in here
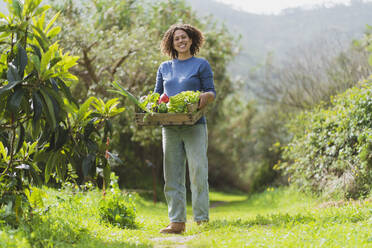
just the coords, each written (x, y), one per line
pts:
(45, 135)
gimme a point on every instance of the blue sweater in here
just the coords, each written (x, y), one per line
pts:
(175, 76)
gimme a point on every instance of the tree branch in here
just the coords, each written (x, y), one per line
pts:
(118, 63)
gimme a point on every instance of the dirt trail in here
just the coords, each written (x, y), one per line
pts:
(176, 241)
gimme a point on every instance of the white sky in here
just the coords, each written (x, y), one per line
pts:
(275, 6)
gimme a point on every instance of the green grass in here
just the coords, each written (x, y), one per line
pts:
(275, 218)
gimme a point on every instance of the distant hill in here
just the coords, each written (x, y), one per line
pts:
(294, 27)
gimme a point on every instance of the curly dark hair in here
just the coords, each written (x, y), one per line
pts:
(194, 34)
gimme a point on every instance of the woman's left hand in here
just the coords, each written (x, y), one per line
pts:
(205, 98)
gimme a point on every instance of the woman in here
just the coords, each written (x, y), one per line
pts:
(185, 72)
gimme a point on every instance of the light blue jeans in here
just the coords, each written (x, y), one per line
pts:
(179, 143)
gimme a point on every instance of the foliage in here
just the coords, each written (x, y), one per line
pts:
(331, 147)
(45, 135)
(311, 74)
(250, 135)
(33, 87)
(49, 227)
(324, 68)
(116, 208)
(365, 43)
(16, 240)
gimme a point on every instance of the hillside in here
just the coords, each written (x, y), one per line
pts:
(293, 28)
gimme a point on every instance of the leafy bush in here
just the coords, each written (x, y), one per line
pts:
(331, 148)
(13, 240)
(117, 208)
(45, 135)
(13, 208)
(58, 218)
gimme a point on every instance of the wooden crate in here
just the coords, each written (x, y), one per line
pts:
(156, 119)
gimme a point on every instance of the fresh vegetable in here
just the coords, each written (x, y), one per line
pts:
(163, 98)
(150, 101)
(178, 103)
(153, 102)
(162, 108)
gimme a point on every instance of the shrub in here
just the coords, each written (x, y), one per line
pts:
(117, 208)
(331, 148)
(58, 218)
(13, 240)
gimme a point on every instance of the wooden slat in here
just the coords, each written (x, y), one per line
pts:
(157, 119)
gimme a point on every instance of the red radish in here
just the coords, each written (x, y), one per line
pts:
(163, 98)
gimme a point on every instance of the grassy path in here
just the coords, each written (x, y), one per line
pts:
(275, 218)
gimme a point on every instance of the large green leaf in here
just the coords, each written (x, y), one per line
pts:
(54, 84)
(58, 165)
(66, 91)
(21, 138)
(54, 31)
(63, 168)
(45, 60)
(36, 51)
(3, 151)
(50, 23)
(21, 60)
(50, 165)
(88, 129)
(41, 156)
(2, 16)
(50, 108)
(84, 111)
(41, 38)
(4, 28)
(41, 10)
(122, 91)
(58, 104)
(61, 137)
(107, 129)
(36, 62)
(17, 7)
(91, 145)
(88, 164)
(13, 75)
(9, 86)
(115, 158)
(14, 101)
(54, 61)
(37, 106)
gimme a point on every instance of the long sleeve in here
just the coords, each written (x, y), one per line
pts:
(159, 86)
(206, 78)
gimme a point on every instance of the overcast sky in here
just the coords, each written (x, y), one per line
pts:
(275, 6)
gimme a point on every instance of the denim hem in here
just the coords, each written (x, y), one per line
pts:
(178, 221)
(207, 219)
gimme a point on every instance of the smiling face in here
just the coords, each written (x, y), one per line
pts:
(182, 43)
